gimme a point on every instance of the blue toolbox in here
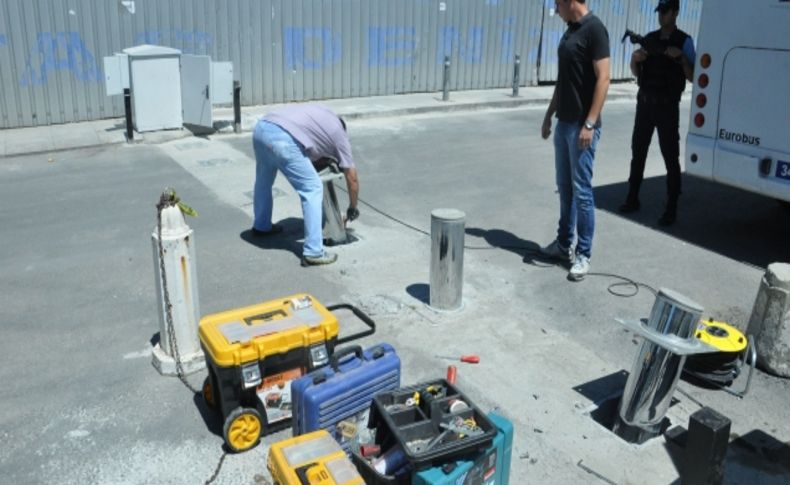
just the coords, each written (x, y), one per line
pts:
(338, 397)
(488, 467)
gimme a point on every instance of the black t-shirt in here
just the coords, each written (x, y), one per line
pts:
(585, 41)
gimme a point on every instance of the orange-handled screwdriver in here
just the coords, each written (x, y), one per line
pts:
(469, 359)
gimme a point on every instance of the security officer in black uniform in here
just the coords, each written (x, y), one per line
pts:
(661, 67)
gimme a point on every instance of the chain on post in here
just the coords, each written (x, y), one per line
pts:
(169, 199)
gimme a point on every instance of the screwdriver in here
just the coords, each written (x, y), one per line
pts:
(469, 359)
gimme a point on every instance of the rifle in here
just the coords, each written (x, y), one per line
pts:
(652, 48)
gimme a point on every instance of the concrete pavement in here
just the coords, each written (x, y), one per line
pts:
(20, 141)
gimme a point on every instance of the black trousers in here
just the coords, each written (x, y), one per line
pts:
(663, 115)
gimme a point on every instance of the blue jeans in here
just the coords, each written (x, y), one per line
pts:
(275, 149)
(574, 168)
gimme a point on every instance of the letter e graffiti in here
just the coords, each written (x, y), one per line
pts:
(58, 51)
(390, 46)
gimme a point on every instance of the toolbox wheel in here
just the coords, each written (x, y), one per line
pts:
(208, 393)
(242, 429)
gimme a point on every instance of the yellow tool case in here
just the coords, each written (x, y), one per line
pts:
(311, 459)
(253, 353)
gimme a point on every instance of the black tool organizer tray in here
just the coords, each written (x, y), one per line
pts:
(407, 426)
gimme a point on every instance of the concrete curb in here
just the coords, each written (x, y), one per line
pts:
(252, 114)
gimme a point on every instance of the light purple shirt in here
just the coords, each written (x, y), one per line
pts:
(318, 129)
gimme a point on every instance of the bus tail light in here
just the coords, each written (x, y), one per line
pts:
(702, 100)
(703, 80)
(699, 120)
(705, 61)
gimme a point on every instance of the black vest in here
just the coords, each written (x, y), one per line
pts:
(661, 75)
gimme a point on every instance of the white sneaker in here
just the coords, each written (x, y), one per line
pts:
(555, 251)
(580, 268)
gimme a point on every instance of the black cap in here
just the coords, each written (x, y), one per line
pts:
(664, 5)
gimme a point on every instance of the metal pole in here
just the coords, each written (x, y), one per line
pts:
(516, 72)
(127, 108)
(447, 259)
(334, 231)
(236, 106)
(654, 375)
(179, 262)
(446, 80)
(706, 448)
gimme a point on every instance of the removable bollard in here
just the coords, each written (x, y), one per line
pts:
(334, 231)
(236, 107)
(669, 338)
(178, 247)
(516, 75)
(446, 80)
(447, 259)
(706, 448)
(127, 111)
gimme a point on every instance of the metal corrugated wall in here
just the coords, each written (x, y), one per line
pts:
(286, 50)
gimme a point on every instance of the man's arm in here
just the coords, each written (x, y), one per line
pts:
(352, 182)
(637, 58)
(545, 130)
(601, 68)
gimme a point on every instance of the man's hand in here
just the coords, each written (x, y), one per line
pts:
(639, 55)
(545, 130)
(673, 53)
(351, 214)
(585, 138)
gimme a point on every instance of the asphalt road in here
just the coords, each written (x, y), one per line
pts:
(82, 404)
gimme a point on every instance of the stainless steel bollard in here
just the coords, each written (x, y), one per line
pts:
(669, 339)
(446, 80)
(447, 259)
(516, 75)
(334, 231)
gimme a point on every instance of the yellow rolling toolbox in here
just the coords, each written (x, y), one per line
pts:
(311, 459)
(253, 353)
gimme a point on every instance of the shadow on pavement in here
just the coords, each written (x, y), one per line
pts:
(211, 417)
(286, 240)
(420, 291)
(731, 222)
(501, 239)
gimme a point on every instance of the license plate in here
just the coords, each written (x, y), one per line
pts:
(783, 170)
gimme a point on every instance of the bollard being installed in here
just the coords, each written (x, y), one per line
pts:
(236, 107)
(334, 231)
(516, 75)
(669, 338)
(127, 110)
(178, 247)
(446, 80)
(447, 259)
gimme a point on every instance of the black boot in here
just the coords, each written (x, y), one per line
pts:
(631, 203)
(670, 214)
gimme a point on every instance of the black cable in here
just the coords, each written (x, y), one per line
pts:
(529, 251)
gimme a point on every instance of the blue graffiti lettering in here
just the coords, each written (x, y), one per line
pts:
(470, 51)
(297, 41)
(187, 41)
(506, 40)
(2, 39)
(390, 46)
(58, 51)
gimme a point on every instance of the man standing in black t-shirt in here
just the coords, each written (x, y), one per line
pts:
(582, 84)
(661, 70)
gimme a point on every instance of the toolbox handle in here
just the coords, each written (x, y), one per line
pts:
(359, 314)
(334, 361)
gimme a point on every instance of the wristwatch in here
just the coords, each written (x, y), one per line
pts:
(589, 124)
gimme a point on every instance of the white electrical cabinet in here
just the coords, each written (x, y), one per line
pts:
(169, 89)
(154, 74)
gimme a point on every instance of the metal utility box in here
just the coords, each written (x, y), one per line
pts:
(155, 73)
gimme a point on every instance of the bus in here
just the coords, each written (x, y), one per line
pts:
(739, 127)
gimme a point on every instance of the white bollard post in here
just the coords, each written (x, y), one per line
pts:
(178, 247)
(769, 324)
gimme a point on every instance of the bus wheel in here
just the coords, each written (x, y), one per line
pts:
(208, 393)
(242, 429)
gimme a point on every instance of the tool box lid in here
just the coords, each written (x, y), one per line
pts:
(246, 334)
(317, 454)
